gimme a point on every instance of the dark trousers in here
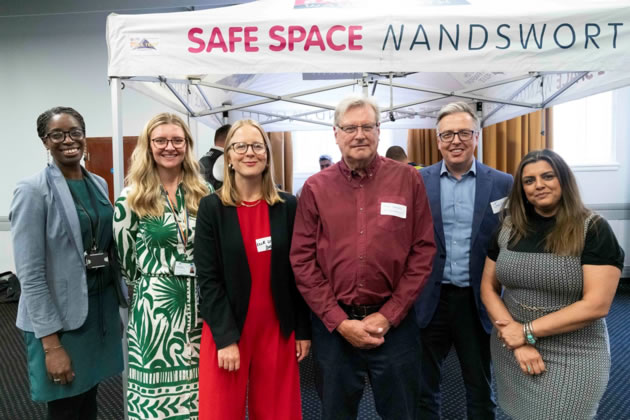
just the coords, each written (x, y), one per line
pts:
(79, 407)
(456, 322)
(393, 369)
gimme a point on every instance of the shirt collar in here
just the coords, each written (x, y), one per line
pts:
(370, 171)
(473, 168)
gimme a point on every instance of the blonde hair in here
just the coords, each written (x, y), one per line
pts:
(145, 197)
(228, 193)
(567, 236)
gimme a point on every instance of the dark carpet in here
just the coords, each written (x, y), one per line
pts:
(15, 402)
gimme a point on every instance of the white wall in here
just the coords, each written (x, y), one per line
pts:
(53, 60)
(606, 188)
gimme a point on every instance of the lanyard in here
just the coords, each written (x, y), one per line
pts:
(183, 231)
(94, 227)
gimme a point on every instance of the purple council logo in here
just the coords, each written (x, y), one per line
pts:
(143, 44)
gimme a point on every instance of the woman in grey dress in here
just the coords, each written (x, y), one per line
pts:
(558, 266)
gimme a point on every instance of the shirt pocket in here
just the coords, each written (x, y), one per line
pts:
(392, 213)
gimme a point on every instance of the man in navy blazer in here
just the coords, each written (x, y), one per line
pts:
(465, 198)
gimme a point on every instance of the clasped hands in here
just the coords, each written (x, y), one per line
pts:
(229, 357)
(367, 333)
(527, 356)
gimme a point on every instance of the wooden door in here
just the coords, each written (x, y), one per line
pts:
(99, 160)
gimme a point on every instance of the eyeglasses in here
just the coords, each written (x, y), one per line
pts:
(241, 148)
(59, 136)
(449, 136)
(161, 143)
(366, 128)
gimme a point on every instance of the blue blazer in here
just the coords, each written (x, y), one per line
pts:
(491, 185)
(48, 252)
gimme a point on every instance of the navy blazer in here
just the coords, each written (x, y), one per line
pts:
(491, 185)
(224, 277)
(48, 251)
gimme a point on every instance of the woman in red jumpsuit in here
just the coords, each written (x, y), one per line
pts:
(256, 325)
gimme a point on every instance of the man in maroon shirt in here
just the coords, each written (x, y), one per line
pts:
(361, 253)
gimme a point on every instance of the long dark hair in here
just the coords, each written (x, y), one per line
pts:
(567, 236)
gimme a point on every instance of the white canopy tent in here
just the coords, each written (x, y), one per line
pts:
(287, 63)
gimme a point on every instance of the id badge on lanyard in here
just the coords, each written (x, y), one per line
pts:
(182, 268)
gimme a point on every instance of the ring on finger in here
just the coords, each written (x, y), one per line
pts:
(529, 369)
(56, 380)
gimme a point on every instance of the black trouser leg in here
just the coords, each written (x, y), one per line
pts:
(79, 407)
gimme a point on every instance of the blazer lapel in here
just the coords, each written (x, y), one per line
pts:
(104, 194)
(65, 204)
(432, 183)
(482, 195)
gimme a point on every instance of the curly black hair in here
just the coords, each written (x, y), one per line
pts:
(44, 118)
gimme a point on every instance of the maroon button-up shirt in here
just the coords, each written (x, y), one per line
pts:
(362, 240)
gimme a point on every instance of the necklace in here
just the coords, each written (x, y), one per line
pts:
(253, 203)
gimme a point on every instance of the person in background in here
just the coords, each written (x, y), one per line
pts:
(154, 229)
(256, 325)
(549, 280)
(361, 253)
(211, 164)
(325, 161)
(398, 154)
(67, 268)
(465, 198)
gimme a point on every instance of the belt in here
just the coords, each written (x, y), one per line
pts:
(359, 311)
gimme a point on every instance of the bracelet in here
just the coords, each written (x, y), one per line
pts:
(529, 333)
(52, 348)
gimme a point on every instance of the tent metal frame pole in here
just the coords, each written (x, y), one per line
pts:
(117, 135)
(512, 96)
(115, 88)
(502, 82)
(564, 88)
(205, 99)
(271, 98)
(466, 96)
(179, 97)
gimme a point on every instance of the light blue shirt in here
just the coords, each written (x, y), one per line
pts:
(457, 199)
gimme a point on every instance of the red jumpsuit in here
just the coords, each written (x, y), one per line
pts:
(268, 359)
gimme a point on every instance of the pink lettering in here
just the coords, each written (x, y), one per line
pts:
(192, 38)
(314, 39)
(329, 38)
(273, 34)
(233, 37)
(216, 40)
(293, 37)
(249, 38)
(353, 37)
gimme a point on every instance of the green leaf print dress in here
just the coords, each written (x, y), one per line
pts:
(164, 330)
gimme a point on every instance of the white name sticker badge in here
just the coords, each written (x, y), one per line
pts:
(187, 269)
(496, 205)
(263, 244)
(393, 209)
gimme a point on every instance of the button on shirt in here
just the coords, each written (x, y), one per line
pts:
(457, 199)
(362, 240)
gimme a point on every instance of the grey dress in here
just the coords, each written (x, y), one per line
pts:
(536, 283)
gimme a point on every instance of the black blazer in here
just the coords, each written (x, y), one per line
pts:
(224, 276)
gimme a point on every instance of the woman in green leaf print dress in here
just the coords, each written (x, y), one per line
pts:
(154, 227)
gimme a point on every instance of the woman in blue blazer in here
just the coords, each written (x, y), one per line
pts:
(62, 239)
